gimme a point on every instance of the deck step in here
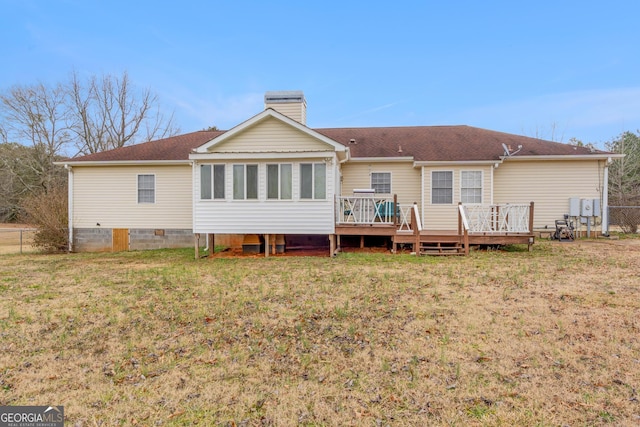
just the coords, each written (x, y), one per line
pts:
(441, 248)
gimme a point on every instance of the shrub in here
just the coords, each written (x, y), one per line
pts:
(47, 211)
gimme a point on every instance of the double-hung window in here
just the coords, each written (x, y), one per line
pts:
(279, 182)
(441, 187)
(381, 182)
(146, 188)
(211, 182)
(245, 182)
(471, 186)
(313, 181)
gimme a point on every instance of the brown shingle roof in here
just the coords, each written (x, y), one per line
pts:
(443, 143)
(172, 148)
(423, 143)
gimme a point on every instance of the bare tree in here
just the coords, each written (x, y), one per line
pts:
(40, 124)
(37, 116)
(108, 112)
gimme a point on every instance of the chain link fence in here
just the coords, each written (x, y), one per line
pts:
(624, 218)
(16, 240)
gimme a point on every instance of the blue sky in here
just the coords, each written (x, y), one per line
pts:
(551, 69)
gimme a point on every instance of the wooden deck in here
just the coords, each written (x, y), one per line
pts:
(477, 225)
(431, 242)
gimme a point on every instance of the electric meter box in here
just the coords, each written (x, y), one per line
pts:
(596, 207)
(586, 207)
(574, 206)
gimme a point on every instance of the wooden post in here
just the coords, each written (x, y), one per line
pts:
(266, 245)
(362, 242)
(466, 241)
(459, 220)
(332, 245)
(531, 238)
(212, 244)
(338, 242)
(531, 218)
(196, 241)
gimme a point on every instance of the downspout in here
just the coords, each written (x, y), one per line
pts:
(422, 194)
(605, 198)
(70, 206)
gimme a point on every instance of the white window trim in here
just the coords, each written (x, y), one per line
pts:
(279, 198)
(453, 186)
(481, 185)
(390, 180)
(313, 181)
(233, 192)
(213, 181)
(155, 190)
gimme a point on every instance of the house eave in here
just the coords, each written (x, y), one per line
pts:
(263, 155)
(124, 163)
(580, 157)
(456, 163)
(381, 159)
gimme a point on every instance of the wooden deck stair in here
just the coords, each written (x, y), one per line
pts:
(440, 246)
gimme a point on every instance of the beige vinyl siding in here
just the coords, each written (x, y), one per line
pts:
(294, 110)
(107, 195)
(405, 179)
(549, 184)
(270, 135)
(445, 216)
(260, 216)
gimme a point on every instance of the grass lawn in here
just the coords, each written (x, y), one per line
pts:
(547, 338)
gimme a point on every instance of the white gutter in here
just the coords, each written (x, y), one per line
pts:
(567, 157)
(263, 155)
(70, 207)
(124, 163)
(605, 198)
(456, 163)
(382, 159)
(422, 193)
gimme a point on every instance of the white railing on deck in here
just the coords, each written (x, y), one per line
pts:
(507, 218)
(365, 210)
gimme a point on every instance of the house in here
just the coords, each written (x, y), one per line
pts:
(272, 177)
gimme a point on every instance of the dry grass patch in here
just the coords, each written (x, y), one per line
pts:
(16, 237)
(549, 337)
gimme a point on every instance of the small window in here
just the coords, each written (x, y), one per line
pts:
(146, 188)
(381, 182)
(441, 187)
(211, 182)
(313, 181)
(245, 182)
(279, 182)
(471, 186)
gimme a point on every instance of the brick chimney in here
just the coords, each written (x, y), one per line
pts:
(291, 103)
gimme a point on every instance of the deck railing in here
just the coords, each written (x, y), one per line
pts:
(366, 210)
(369, 210)
(505, 218)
